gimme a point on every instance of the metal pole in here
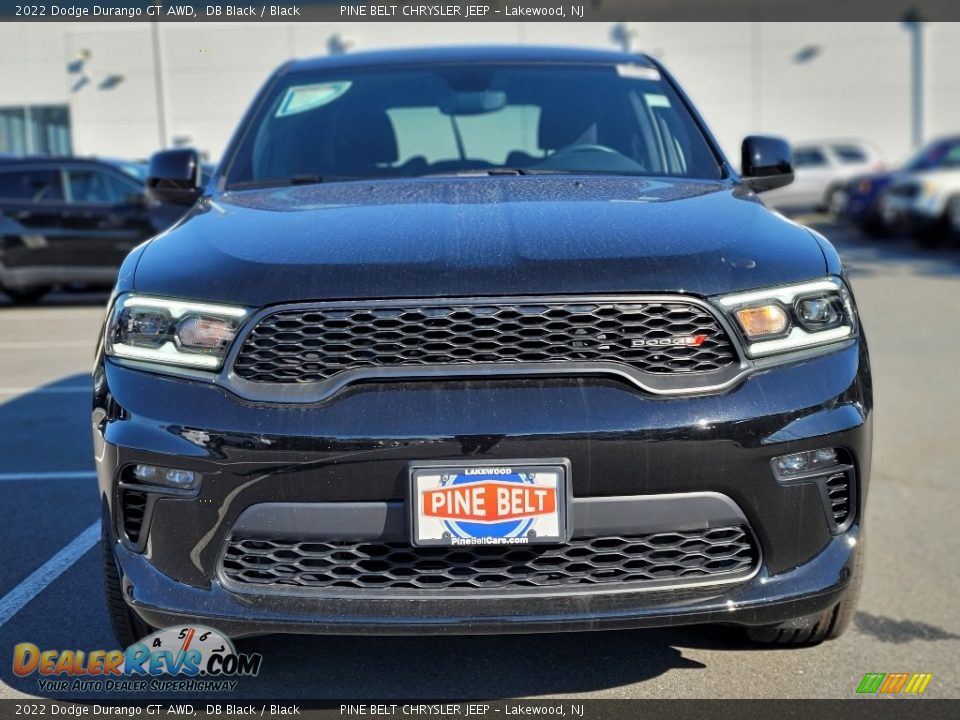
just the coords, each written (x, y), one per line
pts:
(28, 130)
(917, 43)
(158, 84)
(913, 25)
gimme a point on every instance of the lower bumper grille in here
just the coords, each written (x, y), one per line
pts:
(689, 555)
(838, 492)
(134, 505)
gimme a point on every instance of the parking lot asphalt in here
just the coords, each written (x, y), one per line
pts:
(909, 620)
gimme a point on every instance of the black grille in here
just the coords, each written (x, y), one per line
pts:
(838, 491)
(590, 561)
(299, 346)
(906, 190)
(134, 506)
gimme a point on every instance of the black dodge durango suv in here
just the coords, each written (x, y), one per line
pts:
(482, 340)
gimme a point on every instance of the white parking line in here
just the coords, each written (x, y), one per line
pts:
(15, 600)
(55, 475)
(45, 391)
(51, 344)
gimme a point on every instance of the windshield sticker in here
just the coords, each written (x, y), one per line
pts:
(638, 72)
(301, 98)
(656, 100)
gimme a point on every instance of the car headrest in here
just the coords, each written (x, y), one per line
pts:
(367, 139)
(567, 125)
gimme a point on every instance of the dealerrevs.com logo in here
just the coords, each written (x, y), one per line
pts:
(185, 659)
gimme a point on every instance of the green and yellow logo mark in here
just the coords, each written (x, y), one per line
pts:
(893, 683)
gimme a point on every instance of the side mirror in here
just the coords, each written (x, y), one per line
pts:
(766, 162)
(174, 176)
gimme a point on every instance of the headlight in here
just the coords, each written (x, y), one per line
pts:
(792, 317)
(173, 332)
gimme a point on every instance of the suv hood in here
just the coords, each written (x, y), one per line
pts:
(949, 177)
(476, 236)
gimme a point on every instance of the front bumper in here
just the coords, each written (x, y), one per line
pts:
(913, 213)
(355, 448)
(813, 587)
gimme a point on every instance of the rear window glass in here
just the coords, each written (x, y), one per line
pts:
(36, 185)
(88, 185)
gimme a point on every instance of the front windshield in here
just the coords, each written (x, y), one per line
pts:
(470, 119)
(940, 154)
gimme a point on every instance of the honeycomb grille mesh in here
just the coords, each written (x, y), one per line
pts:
(708, 553)
(301, 346)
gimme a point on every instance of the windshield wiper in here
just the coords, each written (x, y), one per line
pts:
(495, 172)
(304, 179)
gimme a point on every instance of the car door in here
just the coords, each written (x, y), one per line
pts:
(106, 216)
(31, 215)
(812, 174)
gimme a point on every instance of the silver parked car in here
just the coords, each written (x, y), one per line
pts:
(821, 173)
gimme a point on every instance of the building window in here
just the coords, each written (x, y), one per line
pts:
(35, 130)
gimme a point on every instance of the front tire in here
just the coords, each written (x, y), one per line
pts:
(814, 629)
(836, 201)
(27, 296)
(952, 217)
(874, 226)
(127, 625)
(933, 236)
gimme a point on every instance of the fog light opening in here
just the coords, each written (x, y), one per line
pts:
(145, 473)
(805, 462)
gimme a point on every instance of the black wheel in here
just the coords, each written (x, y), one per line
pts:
(952, 217)
(27, 296)
(934, 235)
(836, 201)
(874, 227)
(813, 629)
(127, 626)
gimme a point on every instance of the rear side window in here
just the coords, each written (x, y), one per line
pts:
(850, 154)
(88, 185)
(31, 185)
(809, 157)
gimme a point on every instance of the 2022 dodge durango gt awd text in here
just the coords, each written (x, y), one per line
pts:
(481, 341)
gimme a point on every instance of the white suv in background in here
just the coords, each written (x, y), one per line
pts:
(821, 172)
(927, 204)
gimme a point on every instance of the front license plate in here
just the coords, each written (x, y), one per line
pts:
(507, 503)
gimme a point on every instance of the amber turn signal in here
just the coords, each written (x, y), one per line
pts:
(763, 321)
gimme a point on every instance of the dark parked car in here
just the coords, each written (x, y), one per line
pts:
(481, 341)
(66, 221)
(865, 205)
